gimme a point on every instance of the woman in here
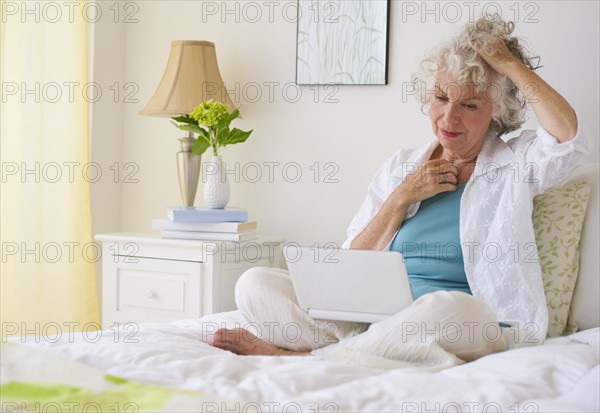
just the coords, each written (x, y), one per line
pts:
(469, 190)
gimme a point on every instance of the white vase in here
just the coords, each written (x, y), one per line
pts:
(216, 187)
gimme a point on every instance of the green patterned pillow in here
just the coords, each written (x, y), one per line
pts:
(558, 216)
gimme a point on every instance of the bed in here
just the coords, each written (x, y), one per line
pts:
(170, 367)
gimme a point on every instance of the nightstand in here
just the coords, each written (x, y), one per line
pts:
(146, 278)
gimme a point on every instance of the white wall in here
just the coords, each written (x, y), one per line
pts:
(355, 134)
(107, 121)
(107, 71)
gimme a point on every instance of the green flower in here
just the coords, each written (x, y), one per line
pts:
(209, 113)
(211, 120)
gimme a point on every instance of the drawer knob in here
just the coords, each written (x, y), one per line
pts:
(149, 294)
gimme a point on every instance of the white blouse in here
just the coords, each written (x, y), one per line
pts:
(496, 229)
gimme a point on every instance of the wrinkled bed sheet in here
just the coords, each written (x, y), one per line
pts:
(561, 375)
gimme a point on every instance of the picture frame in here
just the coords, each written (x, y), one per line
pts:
(342, 42)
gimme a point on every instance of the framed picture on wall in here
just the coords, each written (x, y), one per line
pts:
(342, 42)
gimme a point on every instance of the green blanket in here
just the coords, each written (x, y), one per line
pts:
(33, 380)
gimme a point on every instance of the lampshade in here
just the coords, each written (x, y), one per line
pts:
(191, 77)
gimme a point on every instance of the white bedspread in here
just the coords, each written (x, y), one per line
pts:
(561, 375)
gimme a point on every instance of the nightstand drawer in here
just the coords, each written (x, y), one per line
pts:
(151, 290)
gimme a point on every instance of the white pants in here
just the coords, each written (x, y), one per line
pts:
(440, 328)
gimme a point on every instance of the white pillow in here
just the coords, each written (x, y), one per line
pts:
(585, 304)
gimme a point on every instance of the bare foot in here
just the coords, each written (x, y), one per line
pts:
(242, 341)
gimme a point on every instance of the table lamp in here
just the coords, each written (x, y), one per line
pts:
(191, 77)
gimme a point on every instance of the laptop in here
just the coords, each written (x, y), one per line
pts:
(348, 285)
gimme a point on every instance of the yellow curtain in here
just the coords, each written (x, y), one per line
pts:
(47, 280)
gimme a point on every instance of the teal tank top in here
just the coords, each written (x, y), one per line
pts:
(430, 244)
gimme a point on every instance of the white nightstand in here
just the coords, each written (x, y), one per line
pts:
(146, 278)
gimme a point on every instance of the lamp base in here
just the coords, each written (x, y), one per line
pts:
(188, 169)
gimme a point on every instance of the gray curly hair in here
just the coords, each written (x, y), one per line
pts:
(459, 59)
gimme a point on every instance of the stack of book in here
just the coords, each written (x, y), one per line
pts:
(228, 224)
